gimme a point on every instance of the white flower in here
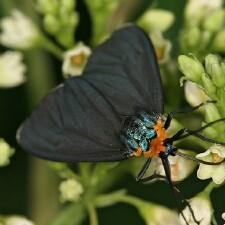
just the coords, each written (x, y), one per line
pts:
(11, 69)
(17, 220)
(202, 210)
(180, 167)
(18, 31)
(162, 46)
(223, 216)
(194, 94)
(75, 60)
(215, 153)
(5, 153)
(157, 215)
(161, 214)
(71, 190)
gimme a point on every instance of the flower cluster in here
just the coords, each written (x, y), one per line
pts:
(5, 153)
(204, 29)
(60, 19)
(101, 13)
(12, 69)
(208, 82)
(210, 78)
(70, 190)
(18, 31)
(214, 154)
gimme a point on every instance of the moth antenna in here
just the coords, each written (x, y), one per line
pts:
(183, 133)
(186, 156)
(192, 109)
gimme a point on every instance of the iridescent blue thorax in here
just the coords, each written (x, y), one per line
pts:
(145, 134)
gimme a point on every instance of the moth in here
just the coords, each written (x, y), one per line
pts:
(114, 111)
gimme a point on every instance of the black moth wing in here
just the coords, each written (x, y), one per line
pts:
(81, 119)
(130, 69)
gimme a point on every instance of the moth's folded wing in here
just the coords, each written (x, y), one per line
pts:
(74, 123)
(81, 120)
(125, 70)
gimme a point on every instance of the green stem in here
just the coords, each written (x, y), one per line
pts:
(214, 220)
(105, 200)
(92, 214)
(49, 46)
(207, 191)
(85, 173)
(73, 214)
(136, 202)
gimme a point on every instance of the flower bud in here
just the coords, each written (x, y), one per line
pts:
(218, 76)
(218, 43)
(193, 36)
(197, 10)
(208, 84)
(68, 5)
(70, 190)
(210, 59)
(194, 94)
(215, 70)
(156, 20)
(215, 21)
(211, 112)
(191, 68)
(210, 131)
(48, 6)
(206, 37)
(5, 153)
(51, 24)
(216, 153)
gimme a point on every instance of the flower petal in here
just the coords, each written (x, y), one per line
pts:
(204, 171)
(218, 175)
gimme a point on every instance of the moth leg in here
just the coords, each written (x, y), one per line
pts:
(161, 177)
(168, 120)
(151, 178)
(143, 170)
(176, 192)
